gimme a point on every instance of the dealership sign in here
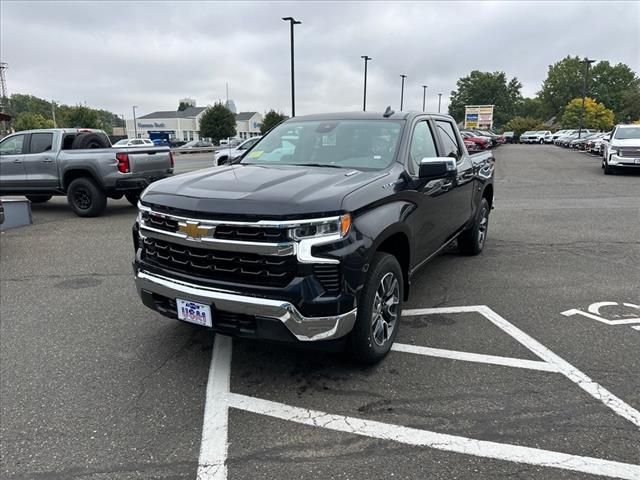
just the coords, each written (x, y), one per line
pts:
(478, 116)
(151, 125)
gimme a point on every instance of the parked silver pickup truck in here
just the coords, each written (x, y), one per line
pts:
(80, 164)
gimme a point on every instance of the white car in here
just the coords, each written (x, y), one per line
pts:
(622, 149)
(226, 155)
(526, 136)
(541, 136)
(133, 142)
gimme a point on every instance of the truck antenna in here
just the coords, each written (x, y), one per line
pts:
(388, 112)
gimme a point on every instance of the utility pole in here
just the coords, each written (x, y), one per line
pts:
(364, 102)
(53, 113)
(439, 101)
(135, 124)
(587, 63)
(292, 21)
(424, 96)
(402, 91)
(3, 85)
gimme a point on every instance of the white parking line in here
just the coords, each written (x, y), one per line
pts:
(435, 440)
(475, 357)
(594, 389)
(213, 449)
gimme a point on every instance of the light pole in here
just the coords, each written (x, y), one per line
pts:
(439, 101)
(402, 91)
(135, 125)
(364, 102)
(292, 21)
(424, 96)
(586, 62)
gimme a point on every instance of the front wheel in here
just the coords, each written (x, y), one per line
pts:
(379, 310)
(38, 198)
(472, 240)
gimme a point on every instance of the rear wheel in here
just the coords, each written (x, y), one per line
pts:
(471, 241)
(85, 197)
(38, 198)
(379, 310)
(541, 141)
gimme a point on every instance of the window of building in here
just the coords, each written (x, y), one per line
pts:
(185, 135)
(190, 134)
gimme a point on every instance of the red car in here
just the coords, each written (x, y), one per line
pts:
(482, 143)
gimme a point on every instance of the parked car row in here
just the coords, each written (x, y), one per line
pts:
(619, 148)
(476, 140)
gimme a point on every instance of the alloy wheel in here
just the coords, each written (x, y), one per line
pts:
(385, 309)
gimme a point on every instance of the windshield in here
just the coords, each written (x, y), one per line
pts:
(359, 144)
(627, 133)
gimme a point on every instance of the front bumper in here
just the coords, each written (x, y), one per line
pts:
(617, 161)
(154, 288)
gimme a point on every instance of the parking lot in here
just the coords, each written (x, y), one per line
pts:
(506, 364)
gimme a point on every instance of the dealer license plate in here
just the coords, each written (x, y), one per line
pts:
(194, 312)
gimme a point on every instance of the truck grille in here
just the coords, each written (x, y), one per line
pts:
(630, 152)
(251, 234)
(218, 265)
(329, 277)
(224, 232)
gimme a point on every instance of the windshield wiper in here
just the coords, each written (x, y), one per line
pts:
(329, 165)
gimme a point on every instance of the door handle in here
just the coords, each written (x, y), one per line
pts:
(47, 159)
(17, 160)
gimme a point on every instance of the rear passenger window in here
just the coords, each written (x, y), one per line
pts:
(422, 145)
(448, 138)
(40, 142)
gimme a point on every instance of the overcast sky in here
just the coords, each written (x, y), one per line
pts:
(117, 54)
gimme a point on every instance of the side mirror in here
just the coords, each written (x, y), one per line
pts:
(437, 167)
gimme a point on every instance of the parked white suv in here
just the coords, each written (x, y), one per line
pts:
(622, 149)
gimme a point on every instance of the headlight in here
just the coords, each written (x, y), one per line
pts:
(337, 226)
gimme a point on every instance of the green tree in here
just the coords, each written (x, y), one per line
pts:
(610, 84)
(486, 88)
(183, 106)
(29, 121)
(564, 82)
(79, 117)
(531, 107)
(270, 120)
(218, 122)
(519, 125)
(596, 115)
(19, 103)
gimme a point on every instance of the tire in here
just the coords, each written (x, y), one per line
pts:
(38, 198)
(541, 141)
(89, 140)
(223, 161)
(607, 169)
(85, 197)
(132, 197)
(376, 325)
(472, 241)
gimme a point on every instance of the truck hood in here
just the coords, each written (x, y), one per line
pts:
(256, 190)
(627, 142)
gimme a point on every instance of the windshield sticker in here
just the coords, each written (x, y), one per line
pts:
(256, 154)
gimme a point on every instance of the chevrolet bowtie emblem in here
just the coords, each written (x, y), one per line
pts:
(193, 230)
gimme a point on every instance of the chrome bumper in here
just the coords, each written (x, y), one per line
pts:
(305, 329)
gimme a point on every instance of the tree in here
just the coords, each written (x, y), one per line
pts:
(519, 125)
(183, 106)
(630, 105)
(531, 107)
(30, 121)
(79, 117)
(218, 122)
(596, 115)
(270, 120)
(611, 83)
(486, 88)
(564, 82)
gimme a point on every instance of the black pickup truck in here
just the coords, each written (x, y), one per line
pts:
(315, 232)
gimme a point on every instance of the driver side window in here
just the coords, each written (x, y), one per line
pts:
(12, 146)
(422, 145)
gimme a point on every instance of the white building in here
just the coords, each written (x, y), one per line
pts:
(171, 125)
(185, 125)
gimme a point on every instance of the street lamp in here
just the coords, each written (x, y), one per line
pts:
(364, 102)
(424, 96)
(439, 101)
(135, 126)
(292, 21)
(402, 91)
(587, 63)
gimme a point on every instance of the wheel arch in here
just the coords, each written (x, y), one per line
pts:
(73, 173)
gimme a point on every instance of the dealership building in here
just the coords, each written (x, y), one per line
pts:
(185, 125)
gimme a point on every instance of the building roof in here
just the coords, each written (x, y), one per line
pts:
(245, 115)
(187, 113)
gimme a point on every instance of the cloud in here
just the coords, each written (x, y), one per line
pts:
(116, 54)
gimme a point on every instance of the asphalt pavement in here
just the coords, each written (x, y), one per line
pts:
(93, 385)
